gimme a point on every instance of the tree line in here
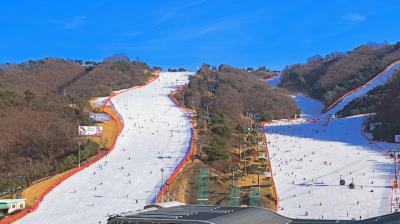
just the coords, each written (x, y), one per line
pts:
(41, 105)
(328, 78)
(229, 102)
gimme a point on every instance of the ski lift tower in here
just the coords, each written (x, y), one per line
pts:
(395, 154)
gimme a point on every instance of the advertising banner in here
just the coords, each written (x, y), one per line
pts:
(90, 131)
(397, 138)
(99, 117)
(374, 125)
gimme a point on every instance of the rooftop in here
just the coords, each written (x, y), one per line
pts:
(196, 214)
(207, 214)
(5, 203)
(10, 201)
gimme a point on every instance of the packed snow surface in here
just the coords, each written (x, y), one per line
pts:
(310, 108)
(309, 159)
(384, 78)
(156, 135)
(274, 81)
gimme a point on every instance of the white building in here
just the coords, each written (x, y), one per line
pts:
(8, 206)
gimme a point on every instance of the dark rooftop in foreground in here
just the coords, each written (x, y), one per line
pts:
(197, 214)
(203, 214)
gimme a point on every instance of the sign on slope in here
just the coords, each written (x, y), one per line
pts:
(90, 131)
(397, 138)
(99, 117)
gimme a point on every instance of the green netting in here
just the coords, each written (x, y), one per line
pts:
(203, 174)
(202, 187)
(234, 197)
(254, 197)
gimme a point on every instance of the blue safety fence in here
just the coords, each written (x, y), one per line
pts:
(154, 200)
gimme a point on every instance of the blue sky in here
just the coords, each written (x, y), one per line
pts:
(189, 33)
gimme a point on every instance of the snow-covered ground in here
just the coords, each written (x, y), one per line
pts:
(155, 136)
(274, 81)
(386, 75)
(308, 160)
(310, 108)
(100, 101)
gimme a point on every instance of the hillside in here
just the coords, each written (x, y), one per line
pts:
(99, 80)
(39, 123)
(384, 101)
(328, 78)
(388, 111)
(234, 92)
(41, 77)
(230, 104)
(54, 75)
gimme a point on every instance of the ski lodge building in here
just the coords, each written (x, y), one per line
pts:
(8, 206)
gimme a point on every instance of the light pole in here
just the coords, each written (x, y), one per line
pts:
(240, 151)
(162, 182)
(258, 151)
(79, 154)
(30, 163)
(258, 173)
(233, 168)
(245, 165)
(395, 154)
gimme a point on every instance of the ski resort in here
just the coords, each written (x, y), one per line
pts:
(200, 112)
(153, 142)
(326, 168)
(323, 167)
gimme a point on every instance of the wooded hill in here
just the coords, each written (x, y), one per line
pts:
(230, 104)
(52, 76)
(328, 78)
(385, 102)
(41, 105)
(229, 101)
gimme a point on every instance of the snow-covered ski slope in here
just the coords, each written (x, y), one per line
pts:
(310, 108)
(274, 81)
(381, 79)
(156, 135)
(309, 158)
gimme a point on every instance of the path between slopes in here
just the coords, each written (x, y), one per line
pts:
(156, 134)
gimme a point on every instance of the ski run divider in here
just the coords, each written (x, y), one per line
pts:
(19, 215)
(189, 149)
(327, 109)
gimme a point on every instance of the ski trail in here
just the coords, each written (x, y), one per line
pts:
(130, 176)
(308, 188)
